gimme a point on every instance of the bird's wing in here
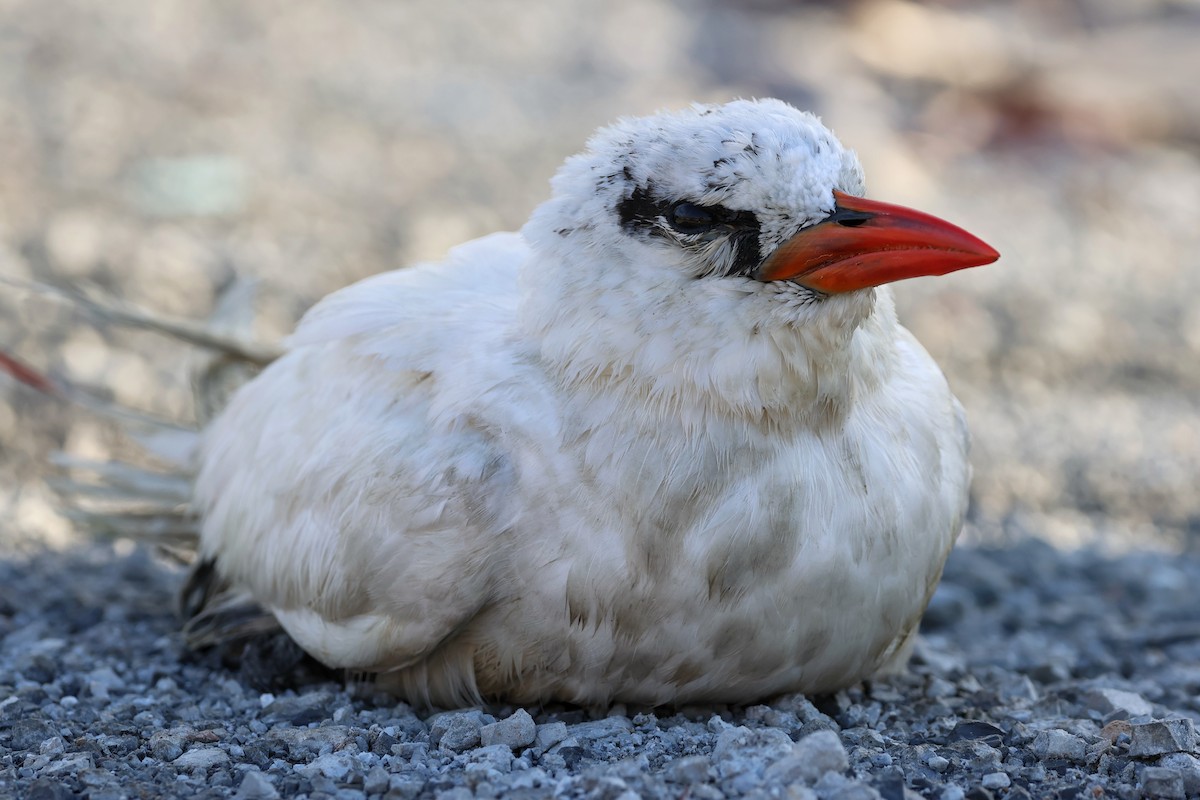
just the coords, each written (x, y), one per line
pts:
(353, 488)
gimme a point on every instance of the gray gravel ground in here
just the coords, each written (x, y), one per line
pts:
(1041, 674)
(157, 152)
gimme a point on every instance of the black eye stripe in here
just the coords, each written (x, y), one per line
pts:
(694, 223)
(642, 210)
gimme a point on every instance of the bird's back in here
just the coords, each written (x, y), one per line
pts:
(353, 488)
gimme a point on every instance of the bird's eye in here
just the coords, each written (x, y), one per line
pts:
(691, 218)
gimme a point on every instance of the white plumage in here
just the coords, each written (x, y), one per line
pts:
(605, 459)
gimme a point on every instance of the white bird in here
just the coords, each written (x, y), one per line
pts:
(667, 444)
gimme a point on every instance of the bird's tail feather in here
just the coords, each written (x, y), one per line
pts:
(151, 501)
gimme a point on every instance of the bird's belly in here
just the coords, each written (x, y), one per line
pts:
(738, 606)
(803, 631)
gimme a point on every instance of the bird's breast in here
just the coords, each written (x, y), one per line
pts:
(684, 565)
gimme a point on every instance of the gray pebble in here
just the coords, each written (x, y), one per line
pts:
(1161, 737)
(1188, 767)
(404, 787)
(30, 733)
(168, 745)
(996, 780)
(938, 763)
(550, 734)
(310, 707)
(303, 743)
(1163, 782)
(601, 728)
(517, 731)
(1055, 743)
(102, 681)
(53, 746)
(810, 759)
(202, 758)
(69, 765)
(1017, 688)
(456, 731)
(853, 791)
(382, 743)
(704, 791)
(48, 789)
(1117, 701)
(495, 757)
(376, 780)
(335, 766)
(256, 786)
(688, 770)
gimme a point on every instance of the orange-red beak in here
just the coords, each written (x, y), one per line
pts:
(865, 243)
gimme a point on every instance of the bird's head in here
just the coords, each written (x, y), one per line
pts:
(747, 190)
(729, 218)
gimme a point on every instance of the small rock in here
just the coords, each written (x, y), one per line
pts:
(943, 662)
(975, 730)
(760, 744)
(1053, 671)
(335, 766)
(69, 765)
(979, 756)
(54, 746)
(376, 781)
(853, 791)
(688, 770)
(1017, 688)
(256, 786)
(1163, 782)
(742, 755)
(805, 711)
(1057, 743)
(456, 731)
(1188, 766)
(550, 734)
(517, 731)
(168, 745)
(1161, 737)
(381, 745)
(811, 758)
(202, 758)
(30, 733)
(601, 728)
(497, 757)
(310, 707)
(302, 743)
(996, 780)
(103, 680)
(938, 763)
(46, 789)
(1117, 701)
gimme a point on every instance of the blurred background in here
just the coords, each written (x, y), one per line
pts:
(159, 149)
